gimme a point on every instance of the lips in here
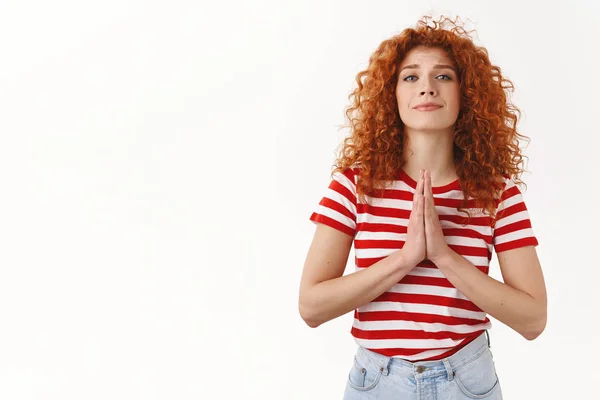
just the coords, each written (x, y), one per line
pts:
(427, 107)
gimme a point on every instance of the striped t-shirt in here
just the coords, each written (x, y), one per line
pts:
(423, 316)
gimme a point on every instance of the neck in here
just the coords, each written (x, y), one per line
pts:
(433, 151)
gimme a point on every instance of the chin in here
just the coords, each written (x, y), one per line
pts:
(428, 126)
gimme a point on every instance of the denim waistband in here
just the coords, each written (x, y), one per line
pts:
(425, 369)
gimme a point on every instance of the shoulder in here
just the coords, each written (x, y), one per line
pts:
(351, 173)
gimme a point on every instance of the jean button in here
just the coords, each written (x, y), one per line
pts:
(420, 369)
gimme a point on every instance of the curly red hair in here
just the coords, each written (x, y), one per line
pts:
(486, 146)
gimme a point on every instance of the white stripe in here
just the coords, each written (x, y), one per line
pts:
(341, 199)
(398, 204)
(509, 237)
(408, 343)
(380, 253)
(333, 214)
(403, 186)
(406, 205)
(417, 326)
(467, 241)
(482, 230)
(343, 179)
(381, 235)
(516, 198)
(427, 290)
(510, 219)
(420, 271)
(375, 219)
(365, 217)
(450, 239)
(422, 308)
(423, 271)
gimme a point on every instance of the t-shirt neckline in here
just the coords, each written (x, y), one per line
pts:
(454, 185)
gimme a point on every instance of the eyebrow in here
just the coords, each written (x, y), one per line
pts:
(437, 66)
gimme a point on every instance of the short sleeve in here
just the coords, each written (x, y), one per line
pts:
(337, 208)
(513, 226)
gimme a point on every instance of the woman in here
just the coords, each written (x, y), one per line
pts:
(426, 188)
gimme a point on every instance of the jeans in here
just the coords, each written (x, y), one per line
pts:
(469, 373)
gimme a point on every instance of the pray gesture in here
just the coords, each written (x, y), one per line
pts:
(424, 236)
(434, 236)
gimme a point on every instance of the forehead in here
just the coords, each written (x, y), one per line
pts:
(426, 55)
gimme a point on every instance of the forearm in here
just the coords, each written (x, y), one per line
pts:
(330, 299)
(513, 307)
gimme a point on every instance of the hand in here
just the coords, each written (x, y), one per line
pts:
(414, 250)
(437, 248)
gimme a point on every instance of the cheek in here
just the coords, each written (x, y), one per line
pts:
(457, 97)
(402, 99)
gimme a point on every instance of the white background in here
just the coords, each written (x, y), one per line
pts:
(159, 162)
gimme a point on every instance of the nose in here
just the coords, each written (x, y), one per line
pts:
(428, 88)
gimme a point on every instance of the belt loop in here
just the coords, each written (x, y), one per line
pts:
(449, 371)
(386, 368)
(488, 338)
(385, 365)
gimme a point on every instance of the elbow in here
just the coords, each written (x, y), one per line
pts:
(307, 314)
(532, 335)
(535, 329)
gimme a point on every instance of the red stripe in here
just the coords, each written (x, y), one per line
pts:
(467, 233)
(470, 250)
(454, 203)
(382, 211)
(529, 241)
(343, 190)
(403, 334)
(515, 226)
(378, 244)
(426, 280)
(510, 192)
(465, 342)
(393, 194)
(429, 299)
(396, 352)
(506, 212)
(366, 262)
(399, 352)
(351, 173)
(464, 220)
(371, 227)
(319, 218)
(334, 205)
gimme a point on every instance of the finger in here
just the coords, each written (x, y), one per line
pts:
(417, 209)
(420, 183)
(420, 197)
(427, 190)
(420, 210)
(431, 199)
(417, 206)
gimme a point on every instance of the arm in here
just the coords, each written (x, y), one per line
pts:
(520, 302)
(325, 294)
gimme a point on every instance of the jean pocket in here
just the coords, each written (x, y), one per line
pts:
(364, 377)
(478, 379)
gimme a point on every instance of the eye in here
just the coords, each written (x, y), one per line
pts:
(446, 78)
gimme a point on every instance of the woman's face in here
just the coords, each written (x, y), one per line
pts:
(427, 75)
